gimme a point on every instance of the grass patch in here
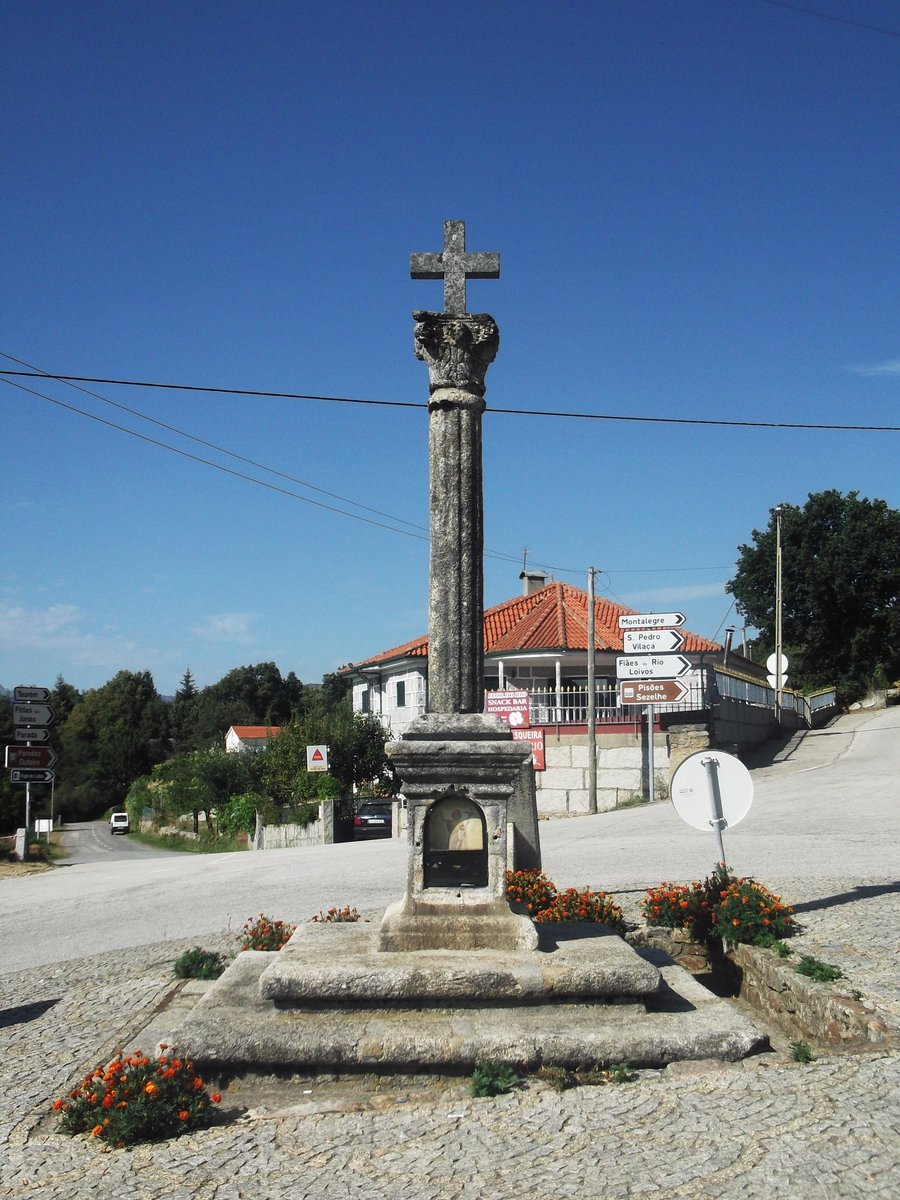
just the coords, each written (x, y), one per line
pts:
(563, 1078)
(204, 844)
(821, 972)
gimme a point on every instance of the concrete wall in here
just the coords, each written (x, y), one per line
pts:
(743, 725)
(279, 837)
(622, 771)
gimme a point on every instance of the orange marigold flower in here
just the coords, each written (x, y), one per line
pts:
(183, 1115)
(96, 1131)
(150, 1088)
(58, 1105)
(216, 1098)
(735, 921)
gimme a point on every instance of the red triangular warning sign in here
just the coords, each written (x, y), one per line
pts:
(317, 756)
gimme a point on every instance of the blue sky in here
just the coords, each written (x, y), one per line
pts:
(695, 205)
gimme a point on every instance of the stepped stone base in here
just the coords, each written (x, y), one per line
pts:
(581, 999)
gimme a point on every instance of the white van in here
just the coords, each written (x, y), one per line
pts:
(118, 823)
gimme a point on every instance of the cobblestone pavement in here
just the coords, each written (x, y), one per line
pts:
(767, 1127)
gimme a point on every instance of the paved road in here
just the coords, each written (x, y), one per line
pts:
(796, 836)
(823, 829)
(91, 842)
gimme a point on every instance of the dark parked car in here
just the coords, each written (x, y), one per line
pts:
(373, 819)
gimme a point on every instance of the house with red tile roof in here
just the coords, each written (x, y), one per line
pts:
(536, 641)
(249, 737)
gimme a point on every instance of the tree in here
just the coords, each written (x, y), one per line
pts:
(115, 734)
(255, 695)
(183, 714)
(840, 591)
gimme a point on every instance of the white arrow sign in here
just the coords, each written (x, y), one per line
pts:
(652, 666)
(652, 641)
(31, 695)
(651, 620)
(31, 735)
(33, 714)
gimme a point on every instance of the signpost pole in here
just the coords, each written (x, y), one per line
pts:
(651, 756)
(718, 821)
(591, 696)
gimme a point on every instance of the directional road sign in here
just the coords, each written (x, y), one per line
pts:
(31, 695)
(30, 776)
(30, 756)
(651, 620)
(31, 734)
(33, 714)
(652, 666)
(649, 691)
(652, 641)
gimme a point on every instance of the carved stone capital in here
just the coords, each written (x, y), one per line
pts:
(456, 349)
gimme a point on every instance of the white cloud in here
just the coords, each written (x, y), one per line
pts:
(59, 630)
(872, 370)
(227, 627)
(677, 595)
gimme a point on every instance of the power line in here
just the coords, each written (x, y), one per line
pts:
(423, 536)
(519, 412)
(824, 16)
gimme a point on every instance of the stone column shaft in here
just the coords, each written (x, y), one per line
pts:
(456, 577)
(458, 351)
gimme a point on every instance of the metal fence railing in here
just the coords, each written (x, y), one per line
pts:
(569, 705)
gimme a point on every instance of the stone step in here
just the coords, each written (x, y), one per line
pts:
(339, 964)
(233, 1029)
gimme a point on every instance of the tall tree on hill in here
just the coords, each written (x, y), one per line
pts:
(255, 695)
(115, 734)
(840, 591)
(183, 714)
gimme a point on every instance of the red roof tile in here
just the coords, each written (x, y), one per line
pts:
(256, 731)
(553, 618)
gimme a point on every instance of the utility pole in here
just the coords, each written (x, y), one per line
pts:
(779, 679)
(591, 696)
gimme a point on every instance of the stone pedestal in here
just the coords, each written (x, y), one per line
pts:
(459, 773)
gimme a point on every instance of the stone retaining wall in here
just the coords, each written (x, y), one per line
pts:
(822, 1013)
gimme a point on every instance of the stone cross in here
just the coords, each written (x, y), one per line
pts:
(454, 265)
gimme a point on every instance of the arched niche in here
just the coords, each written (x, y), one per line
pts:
(455, 844)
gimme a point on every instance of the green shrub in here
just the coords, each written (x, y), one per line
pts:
(801, 1053)
(199, 964)
(493, 1079)
(821, 972)
(239, 814)
(137, 1099)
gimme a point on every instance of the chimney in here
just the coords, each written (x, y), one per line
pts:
(532, 581)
